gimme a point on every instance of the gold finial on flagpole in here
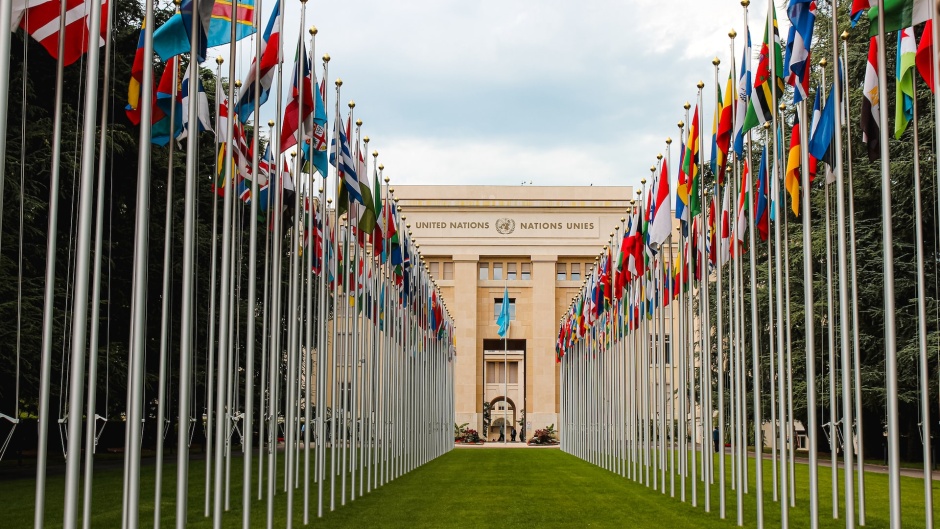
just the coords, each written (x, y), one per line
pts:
(326, 57)
(358, 121)
(823, 62)
(766, 125)
(238, 84)
(351, 104)
(643, 181)
(668, 141)
(366, 139)
(339, 82)
(687, 105)
(313, 30)
(219, 60)
(375, 154)
(681, 123)
(745, 3)
(270, 122)
(716, 61)
(659, 156)
(700, 85)
(732, 33)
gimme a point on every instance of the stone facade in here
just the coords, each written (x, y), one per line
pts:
(538, 242)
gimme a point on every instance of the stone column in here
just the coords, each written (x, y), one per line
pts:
(540, 349)
(468, 372)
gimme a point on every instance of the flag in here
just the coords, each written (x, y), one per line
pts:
(743, 205)
(743, 95)
(42, 23)
(802, 14)
(367, 213)
(924, 57)
(726, 226)
(794, 163)
(19, 9)
(302, 81)
(761, 216)
(712, 233)
(344, 164)
(871, 109)
(168, 96)
(859, 8)
(823, 127)
(725, 127)
(690, 164)
(204, 118)
(137, 78)
(904, 88)
(761, 107)
(172, 38)
(377, 236)
(660, 219)
(315, 136)
(682, 191)
(715, 160)
(262, 70)
(899, 14)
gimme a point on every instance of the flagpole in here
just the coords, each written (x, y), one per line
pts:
(48, 311)
(137, 343)
(856, 364)
(82, 258)
(921, 324)
(705, 355)
(891, 373)
(188, 284)
(252, 284)
(719, 337)
(165, 306)
(782, 374)
(755, 345)
(91, 416)
(809, 321)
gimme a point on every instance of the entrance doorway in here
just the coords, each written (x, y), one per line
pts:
(504, 394)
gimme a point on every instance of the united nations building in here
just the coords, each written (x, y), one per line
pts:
(537, 242)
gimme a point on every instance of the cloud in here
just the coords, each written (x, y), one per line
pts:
(499, 91)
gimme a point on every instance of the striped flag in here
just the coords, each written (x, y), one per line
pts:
(341, 158)
(761, 108)
(871, 105)
(263, 70)
(42, 23)
(743, 95)
(802, 14)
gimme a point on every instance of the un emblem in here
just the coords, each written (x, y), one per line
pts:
(505, 226)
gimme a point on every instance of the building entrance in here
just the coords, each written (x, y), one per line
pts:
(504, 393)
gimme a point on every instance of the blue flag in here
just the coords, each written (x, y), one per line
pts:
(503, 319)
(822, 134)
(215, 27)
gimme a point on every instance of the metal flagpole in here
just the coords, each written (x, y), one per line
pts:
(138, 331)
(789, 340)
(83, 256)
(187, 310)
(165, 315)
(809, 321)
(856, 364)
(221, 409)
(782, 374)
(923, 370)
(705, 318)
(91, 416)
(842, 251)
(830, 336)
(891, 372)
(48, 311)
(252, 284)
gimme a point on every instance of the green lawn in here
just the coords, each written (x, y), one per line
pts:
(474, 487)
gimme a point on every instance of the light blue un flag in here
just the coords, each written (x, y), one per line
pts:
(503, 319)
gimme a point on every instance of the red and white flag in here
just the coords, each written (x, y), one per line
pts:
(41, 21)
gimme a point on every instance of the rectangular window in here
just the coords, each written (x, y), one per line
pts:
(448, 270)
(514, 373)
(484, 271)
(576, 271)
(511, 271)
(561, 274)
(433, 267)
(668, 353)
(498, 307)
(526, 271)
(497, 271)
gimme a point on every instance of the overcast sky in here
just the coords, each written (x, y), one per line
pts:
(509, 91)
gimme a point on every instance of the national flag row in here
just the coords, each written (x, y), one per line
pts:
(642, 276)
